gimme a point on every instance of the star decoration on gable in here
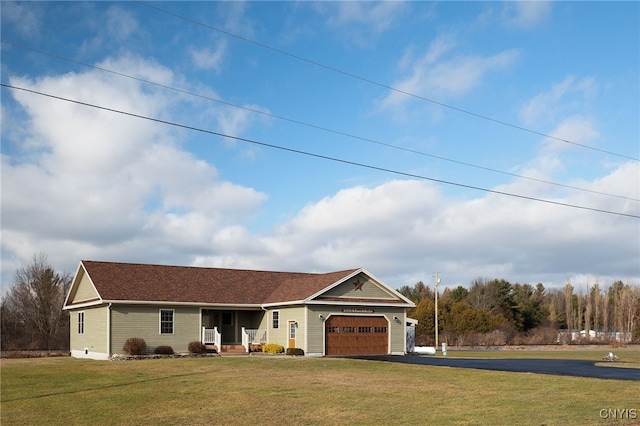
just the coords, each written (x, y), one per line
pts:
(358, 285)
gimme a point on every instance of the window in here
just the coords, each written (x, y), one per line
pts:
(80, 322)
(292, 330)
(166, 321)
(333, 329)
(348, 329)
(364, 329)
(227, 318)
(276, 319)
(379, 329)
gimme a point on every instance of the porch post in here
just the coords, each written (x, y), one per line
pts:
(217, 339)
(245, 340)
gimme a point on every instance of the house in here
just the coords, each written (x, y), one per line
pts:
(347, 312)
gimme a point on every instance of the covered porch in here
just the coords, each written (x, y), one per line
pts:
(233, 331)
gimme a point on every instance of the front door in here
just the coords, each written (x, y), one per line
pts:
(293, 327)
(228, 328)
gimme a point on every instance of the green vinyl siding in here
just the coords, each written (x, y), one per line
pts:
(280, 335)
(85, 290)
(365, 289)
(315, 325)
(398, 330)
(95, 334)
(144, 321)
(315, 328)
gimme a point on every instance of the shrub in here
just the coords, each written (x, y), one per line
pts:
(135, 346)
(196, 347)
(295, 351)
(273, 348)
(542, 336)
(164, 350)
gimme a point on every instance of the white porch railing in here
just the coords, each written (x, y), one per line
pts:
(212, 336)
(253, 337)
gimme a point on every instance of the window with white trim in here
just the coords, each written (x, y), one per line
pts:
(166, 321)
(80, 322)
(275, 317)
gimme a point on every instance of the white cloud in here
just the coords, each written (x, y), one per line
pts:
(440, 74)
(565, 107)
(525, 14)
(207, 58)
(361, 23)
(95, 185)
(117, 26)
(235, 19)
(378, 16)
(121, 24)
(25, 18)
(112, 188)
(106, 185)
(567, 96)
(402, 231)
(576, 129)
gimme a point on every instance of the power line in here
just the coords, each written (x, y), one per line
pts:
(321, 156)
(376, 83)
(314, 126)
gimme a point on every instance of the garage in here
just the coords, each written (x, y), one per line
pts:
(356, 335)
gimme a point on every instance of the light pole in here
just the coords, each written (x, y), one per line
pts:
(437, 281)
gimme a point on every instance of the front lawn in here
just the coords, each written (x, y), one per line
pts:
(298, 390)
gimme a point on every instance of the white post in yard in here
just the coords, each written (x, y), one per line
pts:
(437, 280)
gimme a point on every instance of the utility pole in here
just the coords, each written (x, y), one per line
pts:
(437, 281)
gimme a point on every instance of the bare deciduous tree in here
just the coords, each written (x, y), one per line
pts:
(568, 305)
(32, 315)
(595, 296)
(587, 311)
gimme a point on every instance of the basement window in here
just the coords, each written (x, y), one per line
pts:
(166, 321)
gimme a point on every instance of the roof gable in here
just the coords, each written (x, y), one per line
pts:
(361, 288)
(303, 286)
(82, 290)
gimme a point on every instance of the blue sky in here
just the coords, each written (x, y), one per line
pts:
(420, 93)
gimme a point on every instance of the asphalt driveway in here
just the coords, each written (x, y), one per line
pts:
(559, 367)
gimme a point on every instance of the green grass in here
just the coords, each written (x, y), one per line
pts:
(285, 390)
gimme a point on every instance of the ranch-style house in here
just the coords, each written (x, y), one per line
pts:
(347, 312)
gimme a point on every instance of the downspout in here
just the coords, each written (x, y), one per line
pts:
(306, 330)
(109, 330)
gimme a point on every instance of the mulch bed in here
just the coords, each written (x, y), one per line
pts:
(33, 354)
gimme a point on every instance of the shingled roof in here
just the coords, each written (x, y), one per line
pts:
(186, 284)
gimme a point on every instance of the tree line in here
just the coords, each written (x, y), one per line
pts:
(31, 315)
(497, 312)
